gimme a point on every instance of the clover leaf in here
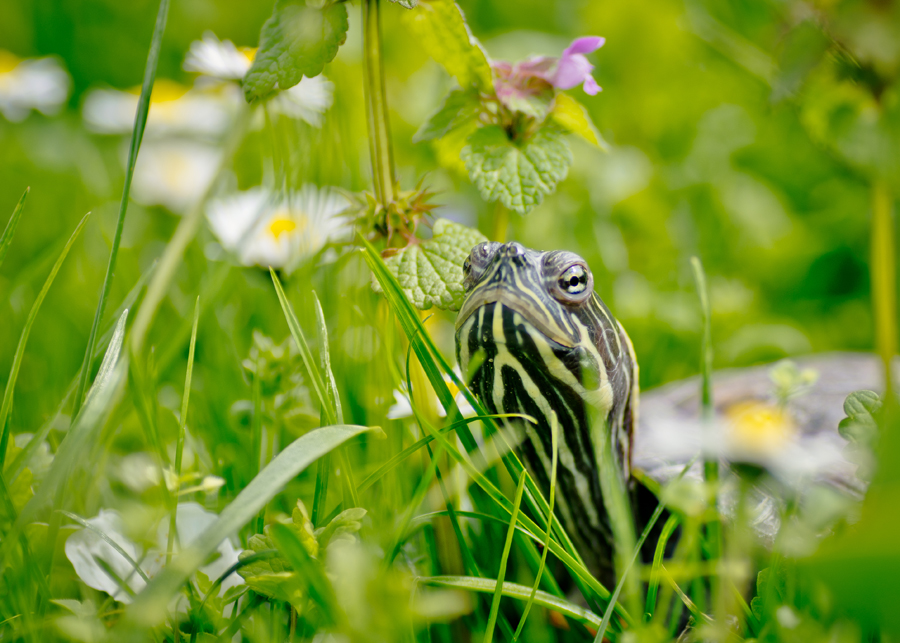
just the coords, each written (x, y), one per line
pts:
(430, 272)
(519, 174)
(296, 41)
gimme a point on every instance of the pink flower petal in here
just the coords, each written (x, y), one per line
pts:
(591, 87)
(584, 45)
(572, 71)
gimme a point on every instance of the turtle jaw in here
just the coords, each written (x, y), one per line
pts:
(534, 313)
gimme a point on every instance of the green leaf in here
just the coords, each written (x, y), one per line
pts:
(572, 116)
(296, 41)
(149, 607)
(514, 590)
(408, 4)
(518, 174)
(861, 430)
(776, 592)
(430, 272)
(459, 107)
(10, 229)
(444, 34)
(860, 407)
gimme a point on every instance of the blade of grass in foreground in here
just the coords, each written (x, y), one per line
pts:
(514, 590)
(554, 443)
(149, 607)
(6, 405)
(137, 134)
(10, 229)
(329, 402)
(501, 575)
(182, 421)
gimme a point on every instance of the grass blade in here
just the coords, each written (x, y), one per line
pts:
(179, 445)
(79, 437)
(137, 134)
(329, 403)
(150, 605)
(24, 458)
(10, 229)
(501, 576)
(514, 590)
(653, 586)
(6, 405)
(554, 443)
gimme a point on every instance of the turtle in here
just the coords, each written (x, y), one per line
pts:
(533, 337)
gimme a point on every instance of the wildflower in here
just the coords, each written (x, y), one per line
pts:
(281, 231)
(85, 548)
(218, 59)
(221, 60)
(34, 84)
(175, 109)
(537, 77)
(174, 173)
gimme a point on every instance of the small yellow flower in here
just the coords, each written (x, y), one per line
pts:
(759, 428)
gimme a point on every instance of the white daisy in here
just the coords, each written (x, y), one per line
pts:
(308, 100)
(33, 84)
(218, 59)
(266, 229)
(84, 548)
(174, 173)
(174, 109)
(221, 60)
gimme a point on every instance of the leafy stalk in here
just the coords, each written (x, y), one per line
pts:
(711, 465)
(182, 421)
(380, 150)
(137, 134)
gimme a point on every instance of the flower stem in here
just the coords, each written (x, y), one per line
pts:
(884, 286)
(380, 150)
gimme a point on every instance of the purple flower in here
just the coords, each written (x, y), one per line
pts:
(574, 69)
(528, 80)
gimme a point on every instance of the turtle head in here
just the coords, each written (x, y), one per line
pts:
(545, 288)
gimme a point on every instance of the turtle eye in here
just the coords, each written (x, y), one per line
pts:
(479, 259)
(574, 284)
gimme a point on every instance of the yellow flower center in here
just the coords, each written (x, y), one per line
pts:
(164, 91)
(249, 53)
(759, 427)
(8, 61)
(281, 224)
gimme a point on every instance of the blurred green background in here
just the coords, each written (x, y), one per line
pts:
(703, 107)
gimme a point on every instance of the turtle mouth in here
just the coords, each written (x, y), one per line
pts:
(536, 316)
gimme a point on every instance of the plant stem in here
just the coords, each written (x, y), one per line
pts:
(380, 150)
(707, 413)
(884, 286)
